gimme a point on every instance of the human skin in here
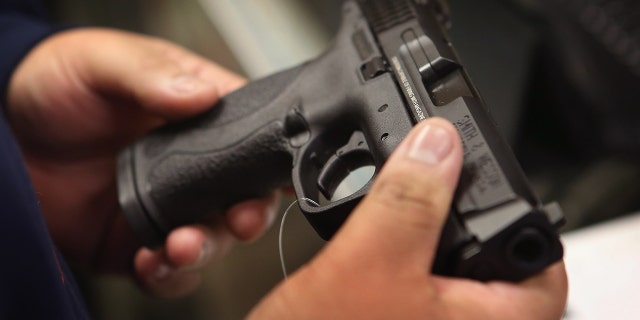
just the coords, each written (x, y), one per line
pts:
(74, 102)
(378, 264)
(82, 95)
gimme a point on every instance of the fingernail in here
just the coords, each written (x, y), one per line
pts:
(185, 84)
(206, 253)
(162, 272)
(271, 213)
(432, 145)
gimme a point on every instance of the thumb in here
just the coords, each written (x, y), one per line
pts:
(158, 76)
(400, 219)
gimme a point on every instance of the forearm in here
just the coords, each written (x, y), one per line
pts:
(23, 23)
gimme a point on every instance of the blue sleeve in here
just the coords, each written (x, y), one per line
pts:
(36, 282)
(23, 23)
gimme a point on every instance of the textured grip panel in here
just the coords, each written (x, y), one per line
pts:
(187, 186)
(230, 109)
(183, 172)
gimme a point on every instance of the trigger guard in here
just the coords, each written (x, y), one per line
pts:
(327, 219)
(355, 154)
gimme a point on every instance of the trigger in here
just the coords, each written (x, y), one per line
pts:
(355, 154)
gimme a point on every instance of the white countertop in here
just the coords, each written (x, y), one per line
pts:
(603, 264)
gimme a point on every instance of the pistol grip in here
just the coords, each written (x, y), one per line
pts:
(184, 172)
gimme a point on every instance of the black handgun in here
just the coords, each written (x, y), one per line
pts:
(391, 65)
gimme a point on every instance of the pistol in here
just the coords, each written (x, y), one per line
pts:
(317, 125)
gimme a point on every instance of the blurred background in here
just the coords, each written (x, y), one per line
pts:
(560, 77)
